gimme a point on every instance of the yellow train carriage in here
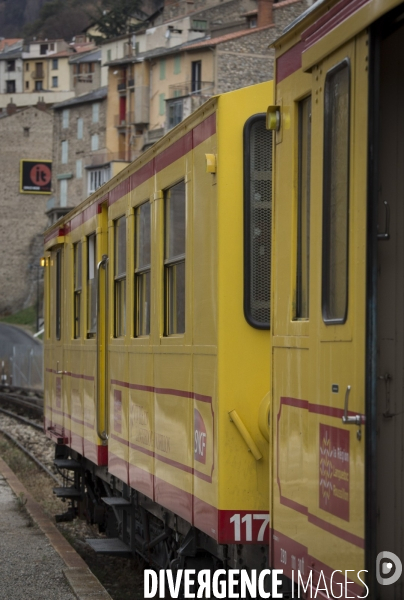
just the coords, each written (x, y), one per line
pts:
(337, 334)
(153, 368)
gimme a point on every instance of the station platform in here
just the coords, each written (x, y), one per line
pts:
(36, 561)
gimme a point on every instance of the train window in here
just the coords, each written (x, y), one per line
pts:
(120, 276)
(142, 270)
(77, 290)
(303, 210)
(336, 194)
(174, 259)
(257, 221)
(58, 311)
(91, 286)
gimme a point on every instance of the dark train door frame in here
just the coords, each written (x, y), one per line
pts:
(380, 30)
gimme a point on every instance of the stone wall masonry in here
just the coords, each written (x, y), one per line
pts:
(23, 217)
(78, 149)
(245, 61)
(215, 13)
(248, 60)
(286, 12)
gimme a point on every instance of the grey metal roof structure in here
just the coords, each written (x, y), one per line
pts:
(86, 57)
(99, 94)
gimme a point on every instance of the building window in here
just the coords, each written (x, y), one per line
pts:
(43, 49)
(96, 112)
(257, 221)
(26, 131)
(65, 151)
(199, 25)
(94, 141)
(177, 64)
(120, 276)
(336, 193)
(174, 259)
(58, 312)
(10, 66)
(55, 82)
(79, 168)
(27, 66)
(91, 286)
(142, 270)
(196, 70)
(65, 118)
(97, 178)
(10, 87)
(39, 74)
(52, 47)
(162, 104)
(174, 113)
(27, 85)
(38, 86)
(253, 22)
(108, 55)
(55, 64)
(80, 129)
(162, 69)
(63, 192)
(303, 210)
(77, 290)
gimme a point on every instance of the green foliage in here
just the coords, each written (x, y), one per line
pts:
(27, 316)
(114, 17)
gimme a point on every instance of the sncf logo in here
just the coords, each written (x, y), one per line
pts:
(199, 438)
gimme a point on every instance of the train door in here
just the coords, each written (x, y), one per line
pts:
(102, 332)
(337, 387)
(56, 330)
(319, 366)
(388, 343)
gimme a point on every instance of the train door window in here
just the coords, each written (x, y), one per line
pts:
(120, 276)
(174, 259)
(257, 221)
(303, 210)
(91, 286)
(77, 290)
(142, 270)
(336, 194)
(58, 312)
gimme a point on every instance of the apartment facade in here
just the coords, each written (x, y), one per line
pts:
(78, 151)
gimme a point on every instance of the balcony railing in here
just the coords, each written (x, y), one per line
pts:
(131, 83)
(83, 78)
(123, 122)
(188, 88)
(122, 83)
(103, 157)
(37, 74)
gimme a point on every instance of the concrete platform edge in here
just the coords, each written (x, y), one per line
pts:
(83, 583)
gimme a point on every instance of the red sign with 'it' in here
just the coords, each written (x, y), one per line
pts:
(36, 176)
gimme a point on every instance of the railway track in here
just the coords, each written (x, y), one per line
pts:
(27, 399)
(36, 447)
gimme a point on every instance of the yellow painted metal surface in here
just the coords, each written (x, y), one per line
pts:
(318, 476)
(168, 397)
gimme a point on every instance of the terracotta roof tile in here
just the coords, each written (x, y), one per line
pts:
(9, 42)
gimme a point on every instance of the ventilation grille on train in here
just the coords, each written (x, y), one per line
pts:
(258, 217)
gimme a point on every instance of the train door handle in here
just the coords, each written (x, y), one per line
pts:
(352, 419)
(57, 372)
(383, 237)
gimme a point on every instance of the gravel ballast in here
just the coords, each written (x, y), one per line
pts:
(30, 569)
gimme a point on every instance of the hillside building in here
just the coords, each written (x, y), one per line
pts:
(25, 134)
